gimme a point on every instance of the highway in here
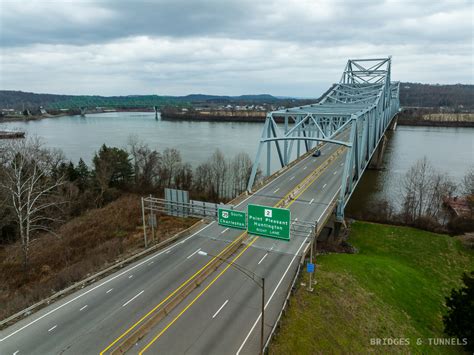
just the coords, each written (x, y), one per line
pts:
(219, 317)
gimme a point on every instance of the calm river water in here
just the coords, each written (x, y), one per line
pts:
(449, 149)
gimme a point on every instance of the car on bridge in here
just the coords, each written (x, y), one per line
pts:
(317, 153)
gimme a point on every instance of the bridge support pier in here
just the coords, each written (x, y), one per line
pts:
(333, 232)
(377, 158)
(83, 111)
(393, 124)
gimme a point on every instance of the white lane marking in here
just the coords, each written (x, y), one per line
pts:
(276, 190)
(337, 192)
(262, 258)
(310, 202)
(271, 296)
(225, 230)
(83, 308)
(325, 185)
(52, 328)
(334, 173)
(169, 251)
(215, 314)
(151, 262)
(16, 352)
(193, 253)
(139, 264)
(305, 167)
(131, 299)
(291, 178)
(109, 290)
(130, 276)
(100, 285)
(278, 177)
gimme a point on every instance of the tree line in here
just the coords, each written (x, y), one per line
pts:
(40, 189)
(423, 192)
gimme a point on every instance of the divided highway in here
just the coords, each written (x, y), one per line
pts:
(219, 317)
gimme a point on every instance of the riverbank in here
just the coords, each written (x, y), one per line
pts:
(394, 288)
(23, 118)
(429, 120)
(11, 134)
(410, 117)
(424, 117)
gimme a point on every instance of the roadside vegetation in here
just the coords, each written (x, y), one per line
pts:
(424, 194)
(394, 287)
(61, 222)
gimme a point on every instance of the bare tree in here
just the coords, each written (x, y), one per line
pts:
(27, 177)
(423, 190)
(146, 163)
(171, 164)
(467, 188)
(241, 167)
(202, 179)
(219, 170)
(184, 177)
(467, 185)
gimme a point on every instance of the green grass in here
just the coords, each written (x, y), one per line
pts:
(393, 288)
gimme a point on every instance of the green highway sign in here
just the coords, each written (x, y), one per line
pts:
(269, 221)
(232, 219)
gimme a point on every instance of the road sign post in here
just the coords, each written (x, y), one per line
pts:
(269, 221)
(232, 218)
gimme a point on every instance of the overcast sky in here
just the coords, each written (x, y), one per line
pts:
(226, 47)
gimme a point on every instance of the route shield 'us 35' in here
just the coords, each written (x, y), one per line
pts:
(232, 219)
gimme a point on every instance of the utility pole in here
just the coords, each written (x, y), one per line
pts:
(262, 329)
(144, 223)
(310, 288)
(252, 276)
(313, 241)
(152, 220)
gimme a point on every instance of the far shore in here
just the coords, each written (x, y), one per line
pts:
(434, 121)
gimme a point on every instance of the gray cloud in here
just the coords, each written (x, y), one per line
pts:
(226, 47)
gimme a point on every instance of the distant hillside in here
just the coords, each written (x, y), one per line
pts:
(19, 100)
(427, 95)
(411, 94)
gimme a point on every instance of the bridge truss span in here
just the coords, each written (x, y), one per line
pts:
(355, 113)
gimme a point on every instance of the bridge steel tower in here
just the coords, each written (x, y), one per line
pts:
(363, 103)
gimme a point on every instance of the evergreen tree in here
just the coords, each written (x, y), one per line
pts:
(459, 321)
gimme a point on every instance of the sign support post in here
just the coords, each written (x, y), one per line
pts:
(144, 223)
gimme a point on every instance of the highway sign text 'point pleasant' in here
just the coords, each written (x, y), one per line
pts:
(269, 221)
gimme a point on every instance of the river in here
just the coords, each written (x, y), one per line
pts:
(450, 150)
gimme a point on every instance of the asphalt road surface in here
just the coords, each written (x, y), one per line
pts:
(219, 317)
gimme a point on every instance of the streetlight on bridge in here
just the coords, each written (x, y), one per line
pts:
(259, 281)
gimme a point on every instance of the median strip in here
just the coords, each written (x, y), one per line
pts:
(306, 185)
(172, 300)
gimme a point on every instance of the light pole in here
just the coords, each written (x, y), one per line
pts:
(251, 275)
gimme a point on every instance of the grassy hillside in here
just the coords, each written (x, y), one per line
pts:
(394, 288)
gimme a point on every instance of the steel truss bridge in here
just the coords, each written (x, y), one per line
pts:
(364, 101)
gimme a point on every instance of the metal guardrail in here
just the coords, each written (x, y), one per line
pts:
(81, 284)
